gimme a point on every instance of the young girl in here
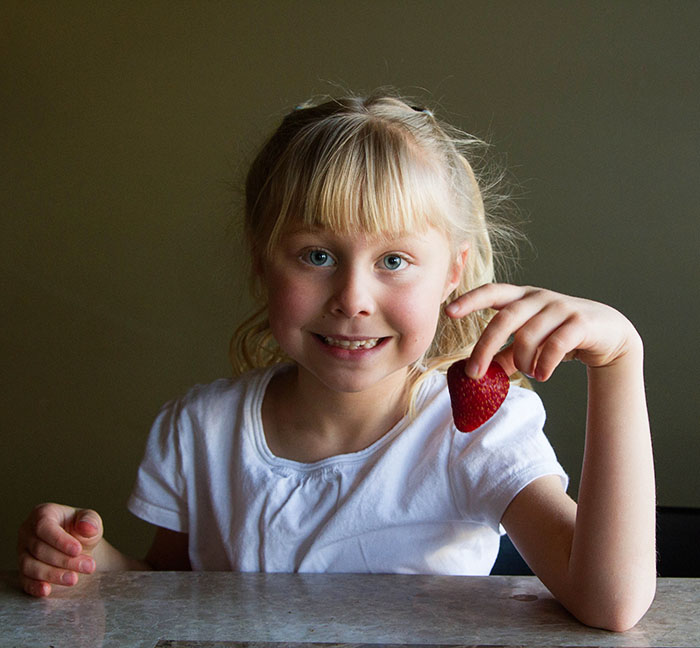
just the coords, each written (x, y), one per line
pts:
(334, 449)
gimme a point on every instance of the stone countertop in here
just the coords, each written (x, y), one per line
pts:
(232, 610)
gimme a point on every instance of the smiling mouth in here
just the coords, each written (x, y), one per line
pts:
(352, 345)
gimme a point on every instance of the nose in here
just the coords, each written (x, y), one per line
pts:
(351, 294)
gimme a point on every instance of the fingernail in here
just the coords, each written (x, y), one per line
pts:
(69, 578)
(86, 566)
(451, 309)
(472, 369)
(89, 522)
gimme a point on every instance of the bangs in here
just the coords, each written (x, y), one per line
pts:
(358, 175)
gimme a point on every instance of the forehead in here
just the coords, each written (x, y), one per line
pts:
(375, 232)
(371, 180)
(392, 211)
(320, 228)
(429, 237)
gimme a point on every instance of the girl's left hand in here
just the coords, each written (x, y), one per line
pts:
(547, 328)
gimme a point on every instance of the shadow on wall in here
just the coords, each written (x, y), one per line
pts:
(677, 540)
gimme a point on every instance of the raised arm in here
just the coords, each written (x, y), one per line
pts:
(598, 557)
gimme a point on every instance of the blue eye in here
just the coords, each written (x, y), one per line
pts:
(393, 262)
(319, 258)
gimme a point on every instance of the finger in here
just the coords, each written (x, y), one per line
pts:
(87, 528)
(48, 529)
(560, 346)
(542, 332)
(35, 570)
(508, 322)
(505, 358)
(48, 555)
(530, 338)
(493, 295)
(34, 587)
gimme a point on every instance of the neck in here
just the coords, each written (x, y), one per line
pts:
(306, 421)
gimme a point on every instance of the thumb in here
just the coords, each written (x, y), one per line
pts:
(505, 358)
(87, 528)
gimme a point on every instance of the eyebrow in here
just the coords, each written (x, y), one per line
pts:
(392, 240)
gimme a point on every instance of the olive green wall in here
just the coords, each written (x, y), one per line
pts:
(124, 124)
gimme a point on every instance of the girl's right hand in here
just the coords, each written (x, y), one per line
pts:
(54, 545)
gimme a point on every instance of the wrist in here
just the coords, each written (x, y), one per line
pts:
(109, 558)
(629, 355)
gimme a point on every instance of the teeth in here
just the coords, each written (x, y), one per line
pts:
(370, 343)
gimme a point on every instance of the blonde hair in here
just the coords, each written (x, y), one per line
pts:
(375, 165)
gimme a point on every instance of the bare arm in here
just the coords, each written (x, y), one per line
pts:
(597, 558)
(615, 526)
(169, 551)
(57, 543)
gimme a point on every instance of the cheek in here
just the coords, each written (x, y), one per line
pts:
(417, 312)
(283, 302)
(288, 305)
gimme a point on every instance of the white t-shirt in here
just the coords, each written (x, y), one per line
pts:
(425, 498)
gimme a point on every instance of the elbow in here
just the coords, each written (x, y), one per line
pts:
(619, 613)
(615, 620)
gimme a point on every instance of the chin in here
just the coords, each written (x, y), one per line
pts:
(358, 382)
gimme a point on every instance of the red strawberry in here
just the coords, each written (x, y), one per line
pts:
(475, 401)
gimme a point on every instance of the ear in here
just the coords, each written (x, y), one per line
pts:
(454, 273)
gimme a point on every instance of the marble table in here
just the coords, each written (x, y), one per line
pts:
(231, 610)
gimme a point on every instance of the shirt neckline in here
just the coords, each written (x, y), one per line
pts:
(259, 387)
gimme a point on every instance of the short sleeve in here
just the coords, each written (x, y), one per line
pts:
(491, 465)
(159, 495)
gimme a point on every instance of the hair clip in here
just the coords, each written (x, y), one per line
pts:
(425, 111)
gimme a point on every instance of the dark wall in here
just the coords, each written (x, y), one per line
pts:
(123, 126)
